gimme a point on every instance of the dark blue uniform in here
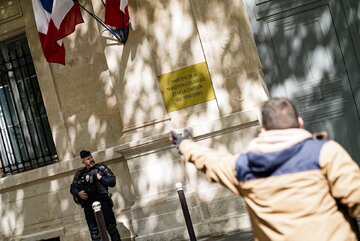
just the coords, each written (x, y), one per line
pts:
(97, 190)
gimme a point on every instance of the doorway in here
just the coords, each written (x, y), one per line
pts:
(308, 52)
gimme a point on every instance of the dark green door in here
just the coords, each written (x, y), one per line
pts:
(310, 53)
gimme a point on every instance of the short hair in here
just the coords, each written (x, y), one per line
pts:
(84, 153)
(279, 113)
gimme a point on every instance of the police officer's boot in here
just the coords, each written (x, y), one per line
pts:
(95, 235)
(113, 232)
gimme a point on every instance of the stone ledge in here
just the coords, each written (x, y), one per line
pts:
(221, 126)
(211, 230)
(53, 170)
(130, 150)
(46, 234)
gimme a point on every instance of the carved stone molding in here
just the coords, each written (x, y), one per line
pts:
(201, 131)
(9, 10)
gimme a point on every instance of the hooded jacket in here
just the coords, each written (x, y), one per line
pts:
(292, 184)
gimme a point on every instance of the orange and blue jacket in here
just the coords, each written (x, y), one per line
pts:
(292, 184)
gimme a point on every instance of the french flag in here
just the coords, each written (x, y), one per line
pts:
(117, 14)
(55, 19)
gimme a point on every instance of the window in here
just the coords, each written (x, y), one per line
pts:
(25, 136)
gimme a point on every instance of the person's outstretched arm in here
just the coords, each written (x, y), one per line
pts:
(217, 167)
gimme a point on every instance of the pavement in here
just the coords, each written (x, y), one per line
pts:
(233, 236)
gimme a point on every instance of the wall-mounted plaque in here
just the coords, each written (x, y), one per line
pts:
(186, 87)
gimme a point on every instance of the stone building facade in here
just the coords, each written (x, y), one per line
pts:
(108, 98)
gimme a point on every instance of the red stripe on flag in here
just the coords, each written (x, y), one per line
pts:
(114, 16)
(53, 52)
(72, 18)
(67, 15)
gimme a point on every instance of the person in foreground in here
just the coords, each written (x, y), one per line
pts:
(91, 184)
(297, 186)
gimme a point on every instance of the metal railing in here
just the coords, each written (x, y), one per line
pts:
(25, 136)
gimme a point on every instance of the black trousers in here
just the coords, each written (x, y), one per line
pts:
(109, 217)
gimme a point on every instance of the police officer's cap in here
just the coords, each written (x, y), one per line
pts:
(84, 153)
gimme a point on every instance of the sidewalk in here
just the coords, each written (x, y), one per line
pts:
(233, 236)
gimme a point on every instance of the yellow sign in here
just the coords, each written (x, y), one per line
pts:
(186, 87)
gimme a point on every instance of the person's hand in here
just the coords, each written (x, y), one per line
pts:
(176, 139)
(83, 195)
(187, 134)
(98, 176)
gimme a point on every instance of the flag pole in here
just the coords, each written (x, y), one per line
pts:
(101, 22)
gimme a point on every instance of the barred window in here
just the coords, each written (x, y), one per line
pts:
(25, 136)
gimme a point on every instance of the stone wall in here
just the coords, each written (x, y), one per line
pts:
(107, 99)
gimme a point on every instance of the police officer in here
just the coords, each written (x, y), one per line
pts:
(91, 184)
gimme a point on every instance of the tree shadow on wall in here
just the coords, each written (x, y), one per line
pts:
(309, 54)
(157, 43)
(301, 50)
